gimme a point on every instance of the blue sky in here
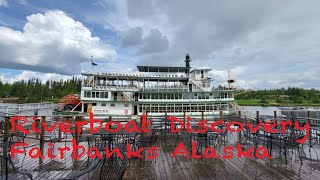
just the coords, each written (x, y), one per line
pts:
(266, 44)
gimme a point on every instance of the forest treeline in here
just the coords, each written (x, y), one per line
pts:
(34, 90)
(297, 95)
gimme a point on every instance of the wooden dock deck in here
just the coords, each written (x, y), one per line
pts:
(166, 167)
(292, 162)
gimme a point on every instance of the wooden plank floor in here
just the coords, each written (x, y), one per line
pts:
(165, 167)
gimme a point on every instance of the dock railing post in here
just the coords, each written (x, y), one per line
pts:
(292, 121)
(6, 144)
(43, 120)
(202, 115)
(59, 130)
(140, 122)
(76, 133)
(143, 134)
(310, 133)
(38, 127)
(292, 117)
(184, 120)
(165, 120)
(79, 120)
(239, 116)
(6, 135)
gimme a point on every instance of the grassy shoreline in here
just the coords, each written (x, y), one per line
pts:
(257, 102)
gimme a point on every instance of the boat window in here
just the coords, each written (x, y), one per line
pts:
(126, 105)
(113, 105)
(87, 94)
(103, 104)
(97, 95)
(94, 104)
(103, 94)
(153, 96)
(93, 94)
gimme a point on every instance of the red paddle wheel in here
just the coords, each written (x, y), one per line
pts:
(70, 102)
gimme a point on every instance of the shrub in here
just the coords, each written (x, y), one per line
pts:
(298, 100)
(263, 100)
(278, 100)
(316, 100)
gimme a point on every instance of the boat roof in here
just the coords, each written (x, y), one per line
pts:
(161, 69)
(201, 70)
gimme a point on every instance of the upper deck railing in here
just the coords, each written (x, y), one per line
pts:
(153, 88)
(141, 74)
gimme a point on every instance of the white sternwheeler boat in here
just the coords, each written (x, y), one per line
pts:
(157, 91)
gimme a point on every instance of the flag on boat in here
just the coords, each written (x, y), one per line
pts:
(93, 64)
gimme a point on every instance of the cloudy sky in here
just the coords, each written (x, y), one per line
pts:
(265, 44)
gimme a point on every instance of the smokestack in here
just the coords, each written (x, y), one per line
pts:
(188, 59)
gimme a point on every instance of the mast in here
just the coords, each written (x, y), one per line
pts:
(229, 80)
(188, 59)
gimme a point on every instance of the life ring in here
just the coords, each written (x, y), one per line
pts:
(123, 98)
(126, 111)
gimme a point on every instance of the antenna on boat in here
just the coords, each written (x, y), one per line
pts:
(91, 57)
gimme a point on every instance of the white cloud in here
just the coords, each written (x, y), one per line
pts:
(272, 43)
(51, 42)
(26, 75)
(266, 44)
(4, 3)
(154, 42)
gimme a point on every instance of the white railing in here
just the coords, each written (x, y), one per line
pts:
(118, 88)
(16, 108)
(193, 82)
(235, 106)
(166, 88)
(127, 96)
